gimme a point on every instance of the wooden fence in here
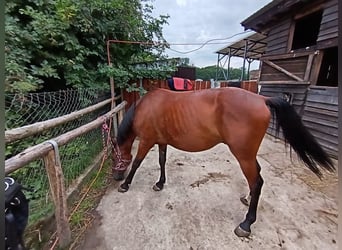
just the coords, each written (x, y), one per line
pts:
(49, 152)
(318, 107)
(321, 116)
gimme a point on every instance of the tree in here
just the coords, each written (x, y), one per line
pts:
(209, 72)
(58, 44)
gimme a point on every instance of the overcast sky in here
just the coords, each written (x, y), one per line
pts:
(197, 21)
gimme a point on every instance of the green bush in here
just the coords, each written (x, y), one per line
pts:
(62, 44)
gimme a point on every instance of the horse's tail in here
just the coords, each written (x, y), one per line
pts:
(298, 136)
(126, 126)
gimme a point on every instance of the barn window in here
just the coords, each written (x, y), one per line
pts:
(306, 30)
(328, 74)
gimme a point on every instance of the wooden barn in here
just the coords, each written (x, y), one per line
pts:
(300, 61)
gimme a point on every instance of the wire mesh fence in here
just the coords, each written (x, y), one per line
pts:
(75, 157)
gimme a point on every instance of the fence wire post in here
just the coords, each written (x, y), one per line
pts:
(115, 125)
(56, 181)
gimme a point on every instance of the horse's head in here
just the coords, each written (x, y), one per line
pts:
(121, 160)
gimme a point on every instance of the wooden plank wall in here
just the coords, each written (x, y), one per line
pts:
(297, 92)
(321, 116)
(294, 65)
(328, 32)
(279, 34)
(318, 107)
(277, 38)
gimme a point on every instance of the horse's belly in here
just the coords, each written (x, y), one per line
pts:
(197, 137)
(194, 144)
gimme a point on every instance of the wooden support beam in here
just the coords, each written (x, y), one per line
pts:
(287, 55)
(120, 116)
(57, 188)
(244, 61)
(308, 67)
(282, 82)
(273, 65)
(316, 67)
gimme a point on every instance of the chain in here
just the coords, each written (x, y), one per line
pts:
(105, 130)
(121, 163)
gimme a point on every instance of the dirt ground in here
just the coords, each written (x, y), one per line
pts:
(199, 206)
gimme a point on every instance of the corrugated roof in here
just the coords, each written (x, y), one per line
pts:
(256, 45)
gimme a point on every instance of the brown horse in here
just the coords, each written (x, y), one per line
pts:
(196, 121)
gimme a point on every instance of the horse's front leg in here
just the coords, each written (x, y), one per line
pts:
(255, 182)
(142, 151)
(162, 159)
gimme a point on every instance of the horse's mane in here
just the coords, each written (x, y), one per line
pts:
(125, 127)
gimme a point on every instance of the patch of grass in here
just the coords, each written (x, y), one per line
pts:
(42, 236)
(83, 217)
(40, 213)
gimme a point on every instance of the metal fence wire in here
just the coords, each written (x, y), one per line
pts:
(76, 156)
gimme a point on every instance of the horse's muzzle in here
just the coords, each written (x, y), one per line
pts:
(118, 175)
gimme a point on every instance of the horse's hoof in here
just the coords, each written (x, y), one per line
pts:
(122, 189)
(118, 175)
(240, 232)
(156, 188)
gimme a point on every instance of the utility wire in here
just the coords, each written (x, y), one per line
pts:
(208, 42)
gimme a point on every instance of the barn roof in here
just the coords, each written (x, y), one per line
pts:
(256, 46)
(261, 20)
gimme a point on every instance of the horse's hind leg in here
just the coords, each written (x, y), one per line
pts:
(142, 151)
(162, 159)
(251, 171)
(247, 198)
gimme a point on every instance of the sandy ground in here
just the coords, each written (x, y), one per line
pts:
(199, 206)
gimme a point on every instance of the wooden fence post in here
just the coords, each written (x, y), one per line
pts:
(115, 125)
(120, 116)
(56, 181)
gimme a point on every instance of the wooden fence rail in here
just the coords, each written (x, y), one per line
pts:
(38, 151)
(38, 127)
(48, 150)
